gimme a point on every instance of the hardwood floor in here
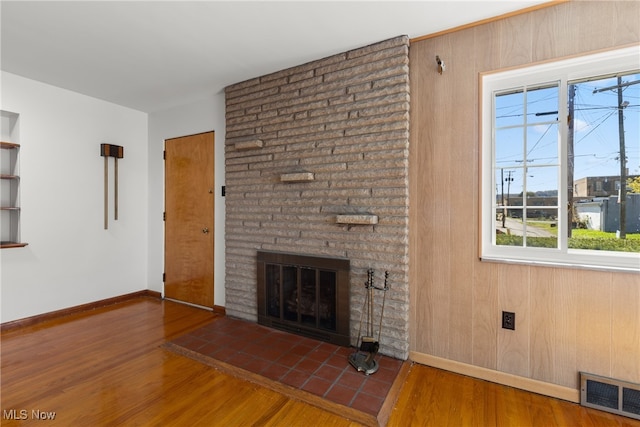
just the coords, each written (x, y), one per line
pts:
(105, 367)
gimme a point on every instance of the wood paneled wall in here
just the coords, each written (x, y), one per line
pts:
(568, 320)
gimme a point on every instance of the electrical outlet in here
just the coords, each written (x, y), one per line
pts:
(508, 320)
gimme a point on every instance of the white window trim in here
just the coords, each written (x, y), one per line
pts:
(599, 64)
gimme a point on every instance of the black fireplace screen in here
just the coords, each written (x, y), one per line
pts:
(305, 295)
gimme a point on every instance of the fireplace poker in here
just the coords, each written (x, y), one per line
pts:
(364, 359)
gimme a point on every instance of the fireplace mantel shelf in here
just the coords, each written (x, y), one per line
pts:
(297, 177)
(357, 219)
(251, 144)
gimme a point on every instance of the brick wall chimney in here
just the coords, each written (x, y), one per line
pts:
(305, 147)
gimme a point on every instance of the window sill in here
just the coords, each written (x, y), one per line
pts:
(620, 267)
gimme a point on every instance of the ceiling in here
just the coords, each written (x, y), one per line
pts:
(153, 55)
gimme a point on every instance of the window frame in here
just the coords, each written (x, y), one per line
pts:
(601, 64)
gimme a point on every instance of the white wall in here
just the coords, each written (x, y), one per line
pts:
(71, 259)
(202, 116)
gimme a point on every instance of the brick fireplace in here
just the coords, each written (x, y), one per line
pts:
(316, 164)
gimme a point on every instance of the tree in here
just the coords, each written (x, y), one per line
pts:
(529, 194)
(633, 185)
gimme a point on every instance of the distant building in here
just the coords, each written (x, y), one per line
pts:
(597, 186)
(603, 213)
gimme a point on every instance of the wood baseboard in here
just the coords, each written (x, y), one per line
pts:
(33, 320)
(528, 384)
(217, 309)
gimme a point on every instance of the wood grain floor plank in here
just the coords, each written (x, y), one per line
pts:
(107, 367)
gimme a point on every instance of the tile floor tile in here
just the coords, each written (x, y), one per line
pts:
(367, 403)
(257, 365)
(288, 359)
(338, 361)
(373, 387)
(341, 394)
(328, 372)
(320, 354)
(295, 378)
(318, 367)
(308, 365)
(274, 371)
(353, 379)
(317, 386)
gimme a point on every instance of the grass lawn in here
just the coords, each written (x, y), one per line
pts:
(580, 239)
(601, 240)
(596, 234)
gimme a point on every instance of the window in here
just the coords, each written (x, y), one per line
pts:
(561, 162)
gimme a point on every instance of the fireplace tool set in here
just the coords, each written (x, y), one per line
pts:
(364, 359)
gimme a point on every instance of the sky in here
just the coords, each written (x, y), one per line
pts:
(596, 137)
(597, 141)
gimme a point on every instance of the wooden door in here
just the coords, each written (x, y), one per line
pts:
(189, 203)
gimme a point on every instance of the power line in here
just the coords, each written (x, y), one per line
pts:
(604, 119)
(623, 159)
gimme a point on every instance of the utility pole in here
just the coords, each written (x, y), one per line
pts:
(509, 179)
(623, 155)
(623, 164)
(504, 210)
(570, 157)
(505, 206)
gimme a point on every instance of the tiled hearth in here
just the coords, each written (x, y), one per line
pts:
(305, 364)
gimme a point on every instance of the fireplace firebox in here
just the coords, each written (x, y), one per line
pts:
(306, 295)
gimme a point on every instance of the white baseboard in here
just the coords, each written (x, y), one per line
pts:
(528, 384)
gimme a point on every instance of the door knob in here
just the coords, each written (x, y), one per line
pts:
(205, 230)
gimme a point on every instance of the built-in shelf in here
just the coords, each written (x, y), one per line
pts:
(297, 177)
(8, 145)
(249, 145)
(6, 245)
(10, 179)
(357, 219)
